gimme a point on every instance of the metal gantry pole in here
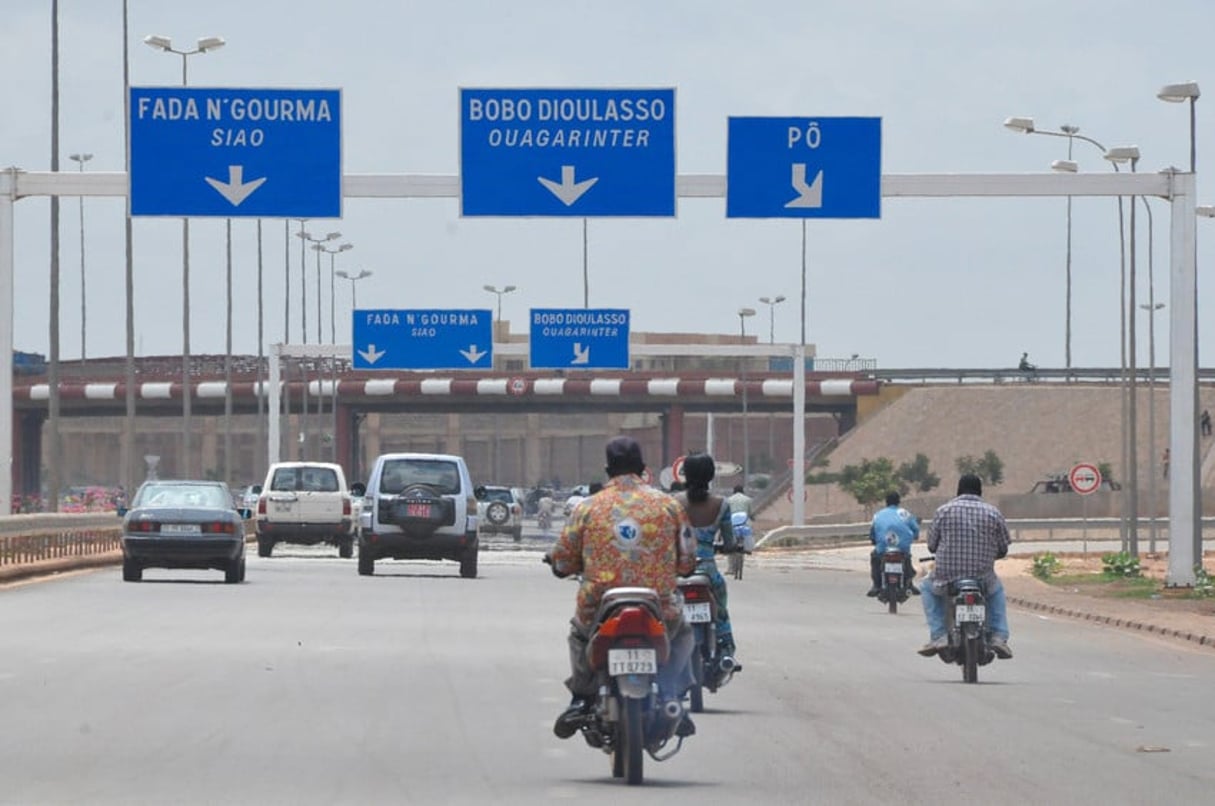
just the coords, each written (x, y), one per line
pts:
(1185, 529)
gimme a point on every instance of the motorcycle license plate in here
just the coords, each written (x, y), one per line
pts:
(697, 613)
(970, 613)
(632, 661)
(894, 568)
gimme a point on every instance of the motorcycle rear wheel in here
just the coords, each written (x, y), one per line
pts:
(697, 691)
(970, 662)
(630, 741)
(892, 599)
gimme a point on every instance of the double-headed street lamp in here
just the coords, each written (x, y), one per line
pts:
(81, 159)
(353, 278)
(743, 313)
(307, 238)
(772, 302)
(204, 45)
(499, 292)
(320, 247)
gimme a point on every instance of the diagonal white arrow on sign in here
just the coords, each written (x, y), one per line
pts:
(567, 190)
(807, 195)
(371, 355)
(473, 354)
(235, 190)
(582, 355)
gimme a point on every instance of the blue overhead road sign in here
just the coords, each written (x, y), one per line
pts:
(804, 168)
(236, 152)
(579, 338)
(567, 152)
(424, 338)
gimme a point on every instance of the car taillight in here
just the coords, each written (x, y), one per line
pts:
(261, 506)
(695, 593)
(345, 506)
(143, 526)
(470, 506)
(219, 527)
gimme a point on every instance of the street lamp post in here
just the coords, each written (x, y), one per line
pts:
(353, 278)
(306, 239)
(499, 292)
(743, 313)
(204, 45)
(1117, 155)
(1180, 93)
(332, 256)
(81, 159)
(772, 302)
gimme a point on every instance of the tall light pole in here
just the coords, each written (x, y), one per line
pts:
(317, 244)
(354, 297)
(303, 236)
(772, 302)
(1151, 307)
(81, 159)
(204, 45)
(743, 313)
(332, 256)
(1180, 93)
(1118, 155)
(499, 292)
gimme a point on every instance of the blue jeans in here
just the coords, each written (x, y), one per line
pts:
(934, 611)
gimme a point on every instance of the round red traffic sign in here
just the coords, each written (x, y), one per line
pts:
(1085, 478)
(517, 386)
(647, 477)
(677, 469)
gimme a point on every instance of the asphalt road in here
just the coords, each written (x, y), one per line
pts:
(309, 684)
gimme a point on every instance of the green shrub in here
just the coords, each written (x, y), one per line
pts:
(1122, 565)
(1046, 565)
(1204, 585)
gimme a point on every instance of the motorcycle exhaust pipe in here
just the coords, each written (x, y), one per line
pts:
(727, 664)
(672, 709)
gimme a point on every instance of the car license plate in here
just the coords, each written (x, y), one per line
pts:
(894, 568)
(181, 528)
(975, 612)
(697, 612)
(282, 506)
(632, 661)
(417, 510)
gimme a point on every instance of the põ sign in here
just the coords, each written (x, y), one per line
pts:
(1084, 478)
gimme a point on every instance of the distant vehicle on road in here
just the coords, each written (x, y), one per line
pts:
(183, 524)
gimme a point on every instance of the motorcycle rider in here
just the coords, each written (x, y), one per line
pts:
(628, 534)
(967, 535)
(709, 516)
(897, 521)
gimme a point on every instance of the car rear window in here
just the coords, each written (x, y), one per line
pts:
(440, 474)
(305, 479)
(499, 495)
(182, 495)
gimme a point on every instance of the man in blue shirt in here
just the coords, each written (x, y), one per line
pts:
(892, 526)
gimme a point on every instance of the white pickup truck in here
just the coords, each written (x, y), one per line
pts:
(307, 503)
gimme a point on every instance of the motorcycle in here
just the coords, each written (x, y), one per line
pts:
(544, 520)
(709, 668)
(966, 623)
(896, 586)
(628, 720)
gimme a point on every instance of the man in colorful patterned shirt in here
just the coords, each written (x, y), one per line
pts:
(967, 535)
(628, 534)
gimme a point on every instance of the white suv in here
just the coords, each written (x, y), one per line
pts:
(500, 511)
(308, 503)
(419, 506)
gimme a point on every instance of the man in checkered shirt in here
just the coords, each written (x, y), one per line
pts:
(967, 536)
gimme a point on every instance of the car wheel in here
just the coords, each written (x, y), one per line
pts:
(497, 513)
(235, 571)
(265, 546)
(131, 571)
(242, 570)
(468, 562)
(366, 563)
(346, 547)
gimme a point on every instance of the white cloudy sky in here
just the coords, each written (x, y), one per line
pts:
(945, 282)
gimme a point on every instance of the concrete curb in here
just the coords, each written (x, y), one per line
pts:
(12, 573)
(1194, 638)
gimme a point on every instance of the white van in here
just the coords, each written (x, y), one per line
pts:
(419, 506)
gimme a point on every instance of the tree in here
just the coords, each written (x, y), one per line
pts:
(989, 467)
(869, 481)
(917, 474)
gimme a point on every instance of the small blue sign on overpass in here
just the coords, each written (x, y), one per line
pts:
(579, 338)
(804, 168)
(234, 153)
(567, 152)
(423, 338)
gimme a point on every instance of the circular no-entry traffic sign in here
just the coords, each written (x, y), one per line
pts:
(1084, 478)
